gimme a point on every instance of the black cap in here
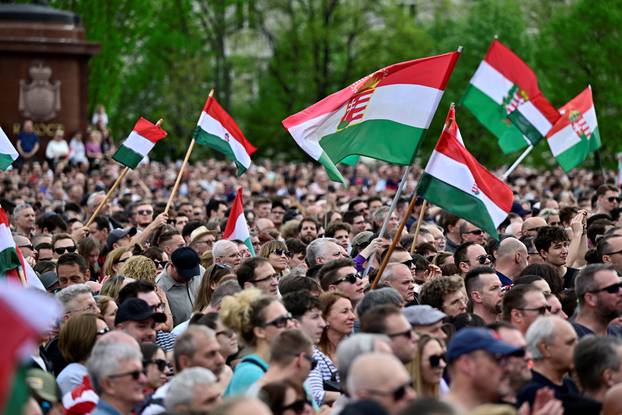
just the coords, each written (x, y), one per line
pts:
(117, 234)
(135, 309)
(186, 262)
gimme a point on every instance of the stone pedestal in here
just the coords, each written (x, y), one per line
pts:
(43, 70)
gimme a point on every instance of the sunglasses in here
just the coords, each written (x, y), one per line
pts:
(397, 394)
(279, 252)
(60, 251)
(611, 289)
(613, 199)
(135, 374)
(541, 310)
(407, 333)
(280, 322)
(613, 253)
(409, 263)
(160, 264)
(475, 232)
(297, 406)
(144, 212)
(26, 246)
(102, 331)
(160, 363)
(271, 276)
(483, 259)
(351, 278)
(435, 360)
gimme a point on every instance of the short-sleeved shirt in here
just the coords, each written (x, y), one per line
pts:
(27, 140)
(180, 296)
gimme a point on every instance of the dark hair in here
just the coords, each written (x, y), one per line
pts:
(212, 206)
(149, 350)
(434, 291)
(327, 274)
(246, 270)
(592, 356)
(471, 279)
(427, 406)
(549, 235)
(300, 302)
(586, 282)
(377, 297)
(310, 220)
(349, 216)
(154, 253)
(597, 229)
(460, 255)
(296, 246)
(295, 283)
(526, 279)
(448, 219)
(50, 222)
(332, 229)
(514, 298)
(287, 345)
(72, 258)
(548, 274)
(603, 247)
(374, 320)
(208, 320)
(190, 226)
(101, 222)
(132, 290)
(274, 394)
(567, 213)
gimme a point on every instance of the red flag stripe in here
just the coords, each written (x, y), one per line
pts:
(237, 209)
(213, 108)
(582, 103)
(512, 67)
(149, 130)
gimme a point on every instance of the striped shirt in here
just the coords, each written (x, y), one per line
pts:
(324, 371)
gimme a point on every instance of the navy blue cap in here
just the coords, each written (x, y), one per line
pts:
(186, 262)
(471, 339)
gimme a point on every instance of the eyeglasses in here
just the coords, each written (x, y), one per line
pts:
(297, 406)
(226, 333)
(611, 289)
(102, 331)
(160, 363)
(158, 307)
(397, 394)
(121, 261)
(280, 322)
(409, 263)
(406, 333)
(614, 253)
(475, 232)
(351, 278)
(144, 212)
(435, 360)
(279, 252)
(62, 250)
(613, 199)
(135, 374)
(271, 276)
(483, 259)
(541, 310)
(311, 360)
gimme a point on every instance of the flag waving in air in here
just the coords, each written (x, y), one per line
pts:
(576, 133)
(237, 228)
(216, 129)
(455, 181)
(8, 154)
(501, 83)
(9, 258)
(139, 143)
(382, 116)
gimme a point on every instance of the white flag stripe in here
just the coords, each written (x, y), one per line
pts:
(138, 143)
(563, 140)
(6, 239)
(241, 229)
(491, 82)
(214, 127)
(458, 175)
(6, 147)
(535, 117)
(590, 118)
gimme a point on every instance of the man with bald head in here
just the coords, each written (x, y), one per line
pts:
(399, 277)
(531, 225)
(382, 378)
(512, 258)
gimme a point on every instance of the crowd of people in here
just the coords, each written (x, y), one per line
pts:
(162, 315)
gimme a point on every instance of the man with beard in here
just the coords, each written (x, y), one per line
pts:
(599, 292)
(307, 230)
(484, 292)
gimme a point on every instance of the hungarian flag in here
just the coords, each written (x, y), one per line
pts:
(576, 133)
(9, 260)
(383, 116)
(535, 118)
(8, 154)
(25, 315)
(501, 83)
(139, 143)
(455, 181)
(237, 228)
(216, 129)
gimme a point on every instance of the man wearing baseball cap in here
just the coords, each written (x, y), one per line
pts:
(118, 238)
(475, 360)
(136, 318)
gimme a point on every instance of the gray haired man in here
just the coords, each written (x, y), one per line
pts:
(195, 390)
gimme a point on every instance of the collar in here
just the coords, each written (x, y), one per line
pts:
(505, 281)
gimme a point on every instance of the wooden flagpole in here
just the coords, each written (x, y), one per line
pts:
(112, 189)
(183, 167)
(421, 216)
(395, 240)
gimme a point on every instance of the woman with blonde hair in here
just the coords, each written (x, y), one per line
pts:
(277, 254)
(139, 267)
(257, 319)
(427, 368)
(113, 285)
(115, 260)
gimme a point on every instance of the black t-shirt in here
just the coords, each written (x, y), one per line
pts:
(569, 277)
(53, 355)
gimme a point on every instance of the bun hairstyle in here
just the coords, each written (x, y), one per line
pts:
(244, 311)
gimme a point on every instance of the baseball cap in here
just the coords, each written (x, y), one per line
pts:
(43, 385)
(423, 315)
(117, 234)
(135, 309)
(471, 339)
(186, 262)
(362, 238)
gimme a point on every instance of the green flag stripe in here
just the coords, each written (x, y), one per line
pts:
(379, 139)
(127, 157)
(525, 127)
(5, 161)
(577, 154)
(213, 141)
(8, 259)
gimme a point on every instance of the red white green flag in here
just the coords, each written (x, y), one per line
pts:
(383, 115)
(535, 118)
(9, 260)
(8, 154)
(454, 180)
(237, 228)
(139, 143)
(576, 134)
(216, 129)
(501, 83)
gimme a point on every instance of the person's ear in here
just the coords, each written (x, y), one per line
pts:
(87, 275)
(332, 288)
(475, 296)
(464, 267)
(248, 284)
(516, 316)
(259, 332)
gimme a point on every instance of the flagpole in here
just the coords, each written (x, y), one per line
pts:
(421, 216)
(517, 162)
(112, 189)
(183, 167)
(396, 239)
(386, 218)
